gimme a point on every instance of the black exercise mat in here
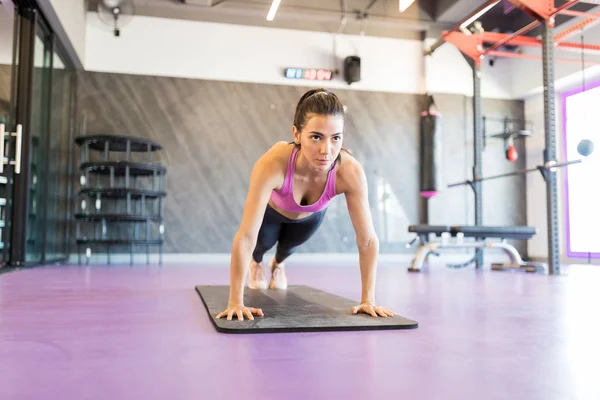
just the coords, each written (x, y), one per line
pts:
(297, 309)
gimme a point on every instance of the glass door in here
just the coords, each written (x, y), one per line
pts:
(59, 148)
(37, 141)
(8, 78)
(36, 147)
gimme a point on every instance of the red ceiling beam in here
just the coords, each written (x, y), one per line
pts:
(494, 37)
(469, 45)
(520, 32)
(577, 46)
(543, 10)
(534, 57)
(581, 14)
(538, 5)
(575, 28)
(472, 45)
(540, 9)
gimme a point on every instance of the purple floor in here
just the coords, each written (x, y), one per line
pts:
(142, 332)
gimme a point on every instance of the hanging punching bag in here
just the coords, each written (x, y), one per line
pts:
(510, 150)
(430, 151)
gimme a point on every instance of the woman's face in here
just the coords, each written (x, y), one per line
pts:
(321, 140)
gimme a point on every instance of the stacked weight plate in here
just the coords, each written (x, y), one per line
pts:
(122, 187)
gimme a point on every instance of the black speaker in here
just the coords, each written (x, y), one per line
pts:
(352, 69)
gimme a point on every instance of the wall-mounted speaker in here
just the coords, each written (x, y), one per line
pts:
(352, 69)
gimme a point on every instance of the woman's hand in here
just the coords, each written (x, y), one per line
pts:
(240, 310)
(372, 309)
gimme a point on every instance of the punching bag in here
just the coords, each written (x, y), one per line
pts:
(430, 151)
(510, 151)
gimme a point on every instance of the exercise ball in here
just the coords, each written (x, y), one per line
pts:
(585, 147)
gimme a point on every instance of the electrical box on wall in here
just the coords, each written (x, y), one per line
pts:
(352, 69)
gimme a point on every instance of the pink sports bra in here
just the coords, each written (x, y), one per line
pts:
(284, 197)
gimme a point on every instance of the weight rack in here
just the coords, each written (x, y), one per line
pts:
(121, 200)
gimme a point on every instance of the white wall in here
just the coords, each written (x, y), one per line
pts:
(72, 16)
(528, 78)
(6, 33)
(448, 72)
(536, 187)
(203, 50)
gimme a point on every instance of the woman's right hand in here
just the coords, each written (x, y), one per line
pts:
(240, 310)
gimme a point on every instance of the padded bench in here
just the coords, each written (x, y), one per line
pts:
(481, 234)
(502, 232)
(505, 232)
(427, 229)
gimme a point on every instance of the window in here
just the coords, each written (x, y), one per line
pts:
(581, 120)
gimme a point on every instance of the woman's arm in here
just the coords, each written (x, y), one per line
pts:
(262, 182)
(366, 238)
(357, 200)
(265, 177)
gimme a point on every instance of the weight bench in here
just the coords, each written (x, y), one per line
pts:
(481, 234)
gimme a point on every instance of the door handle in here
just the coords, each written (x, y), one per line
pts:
(17, 161)
(19, 136)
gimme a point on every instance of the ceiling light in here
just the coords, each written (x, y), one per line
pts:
(273, 10)
(404, 4)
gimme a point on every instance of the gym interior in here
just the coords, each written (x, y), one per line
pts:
(129, 132)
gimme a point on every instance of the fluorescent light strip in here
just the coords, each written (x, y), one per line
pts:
(273, 10)
(479, 14)
(404, 4)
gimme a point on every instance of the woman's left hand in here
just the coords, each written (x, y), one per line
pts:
(373, 310)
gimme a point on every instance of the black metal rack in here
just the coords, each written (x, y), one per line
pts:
(121, 200)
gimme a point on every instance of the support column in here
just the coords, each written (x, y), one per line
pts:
(477, 152)
(550, 149)
(424, 202)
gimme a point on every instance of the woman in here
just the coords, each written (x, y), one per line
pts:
(290, 188)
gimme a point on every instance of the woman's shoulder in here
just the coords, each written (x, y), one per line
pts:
(275, 159)
(347, 163)
(350, 172)
(283, 147)
(279, 153)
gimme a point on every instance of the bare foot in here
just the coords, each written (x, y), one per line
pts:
(258, 278)
(278, 278)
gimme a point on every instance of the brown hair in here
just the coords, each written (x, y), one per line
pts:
(318, 102)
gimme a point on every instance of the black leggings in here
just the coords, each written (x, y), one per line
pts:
(287, 233)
